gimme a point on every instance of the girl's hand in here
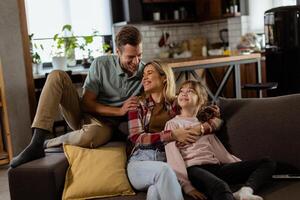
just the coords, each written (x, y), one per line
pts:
(212, 111)
(216, 111)
(196, 194)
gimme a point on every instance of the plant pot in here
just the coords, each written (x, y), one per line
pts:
(85, 63)
(37, 68)
(59, 62)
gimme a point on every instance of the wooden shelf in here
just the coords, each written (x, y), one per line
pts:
(4, 161)
(4, 158)
(3, 155)
(232, 15)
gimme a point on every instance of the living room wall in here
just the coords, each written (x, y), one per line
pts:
(11, 55)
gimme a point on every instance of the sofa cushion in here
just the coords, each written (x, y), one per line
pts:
(95, 173)
(257, 128)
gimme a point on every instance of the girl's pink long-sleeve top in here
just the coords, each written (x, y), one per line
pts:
(206, 150)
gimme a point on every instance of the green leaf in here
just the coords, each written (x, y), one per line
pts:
(68, 27)
(55, 37)
(88, 39)
(31, 36)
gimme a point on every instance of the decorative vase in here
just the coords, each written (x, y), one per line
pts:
(59, 62)
(71, 61)
(37, 68)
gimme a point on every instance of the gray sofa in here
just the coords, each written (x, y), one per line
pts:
(254, 128)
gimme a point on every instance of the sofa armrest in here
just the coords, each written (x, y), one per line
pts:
(39, 179)
(265, 127)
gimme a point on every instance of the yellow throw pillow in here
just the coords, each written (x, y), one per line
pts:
(96, 173)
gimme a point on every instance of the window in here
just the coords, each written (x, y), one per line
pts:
(257, 8)
(45, 18)
(277, 3)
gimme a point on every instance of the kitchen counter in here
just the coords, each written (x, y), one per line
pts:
(187, 66)
(194, 61)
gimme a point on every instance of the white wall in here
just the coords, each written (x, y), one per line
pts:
(256, 14)
(257, 9)
(11, 54)
(277, 3)
(178, 32)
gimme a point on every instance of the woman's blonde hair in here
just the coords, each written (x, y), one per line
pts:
(163, 69)
(199, 89)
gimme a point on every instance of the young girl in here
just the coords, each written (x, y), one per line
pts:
(206, 165)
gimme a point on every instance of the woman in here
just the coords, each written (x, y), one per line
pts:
(147, 169)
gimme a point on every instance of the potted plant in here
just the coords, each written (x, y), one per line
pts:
(87, 52)
(64, 48)
(35, 56)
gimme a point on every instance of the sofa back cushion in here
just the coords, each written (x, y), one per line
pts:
(266, 127)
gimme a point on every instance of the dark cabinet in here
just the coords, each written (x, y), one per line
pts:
(126, 10)
(218, 9)
(165, 1)
(144, 10)
(168, 11)
(208, 9)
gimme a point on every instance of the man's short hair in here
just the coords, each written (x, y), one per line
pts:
(128, 35)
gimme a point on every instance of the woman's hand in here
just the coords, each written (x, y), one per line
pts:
(185, 136)
(130, 104)
(196, 194)
(199, 129)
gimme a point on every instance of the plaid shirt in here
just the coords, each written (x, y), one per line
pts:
(138, 124)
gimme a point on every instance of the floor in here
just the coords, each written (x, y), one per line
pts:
(4, 190)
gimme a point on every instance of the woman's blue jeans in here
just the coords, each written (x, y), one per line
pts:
(153, 175)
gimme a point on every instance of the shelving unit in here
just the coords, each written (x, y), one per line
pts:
(5, 139)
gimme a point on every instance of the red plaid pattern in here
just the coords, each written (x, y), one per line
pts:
(138, 124)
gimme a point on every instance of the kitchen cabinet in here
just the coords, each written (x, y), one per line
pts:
(165, 1)
(208, 9)
(138, 11)
(169, 10)
(217, 9)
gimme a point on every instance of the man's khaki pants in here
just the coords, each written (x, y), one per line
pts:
(60, 95)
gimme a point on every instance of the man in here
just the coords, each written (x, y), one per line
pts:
(110, 90)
